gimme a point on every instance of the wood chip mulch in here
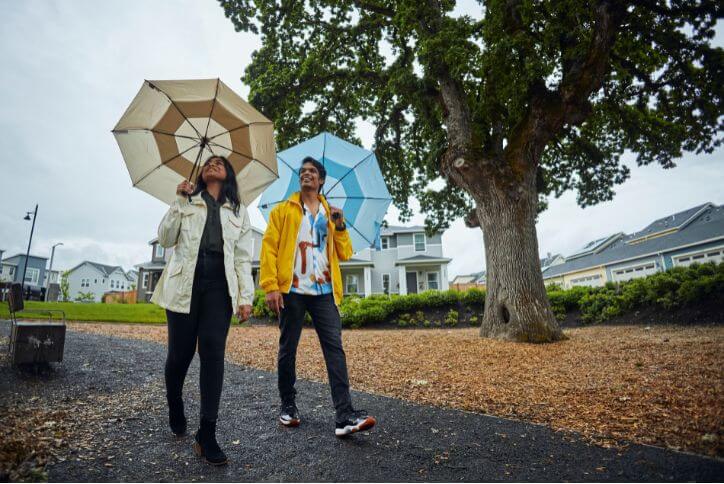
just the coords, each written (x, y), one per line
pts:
(662, 385)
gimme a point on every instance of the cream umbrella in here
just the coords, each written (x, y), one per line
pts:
(171, 127)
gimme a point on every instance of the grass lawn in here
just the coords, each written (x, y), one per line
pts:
(662, 385)
(112, 313)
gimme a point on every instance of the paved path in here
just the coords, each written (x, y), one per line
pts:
(119, 383)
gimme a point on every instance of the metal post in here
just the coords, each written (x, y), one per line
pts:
(30, 241)
(50, 270)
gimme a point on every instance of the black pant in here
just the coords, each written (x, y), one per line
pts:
(325, 317)
(208, 325)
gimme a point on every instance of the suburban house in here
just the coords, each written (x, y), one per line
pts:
(12, 271)
(97, 279)
(407, 261)
(149, 272)
(695, 235)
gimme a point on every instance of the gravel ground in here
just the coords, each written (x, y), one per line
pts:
(114, 388)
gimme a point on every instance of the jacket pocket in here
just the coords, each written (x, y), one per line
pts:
(174, 267)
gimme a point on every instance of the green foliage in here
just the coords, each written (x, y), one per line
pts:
(475, 320)
(65, 286)
(85, 297)
(112, 313)
(452, 318)
(412, 69)
(675, 288)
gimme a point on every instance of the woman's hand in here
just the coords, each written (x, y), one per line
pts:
(244, 312)
(185, 188)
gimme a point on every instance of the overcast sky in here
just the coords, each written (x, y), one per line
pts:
(71, 67)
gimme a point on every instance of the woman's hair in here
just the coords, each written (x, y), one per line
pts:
(230, 189)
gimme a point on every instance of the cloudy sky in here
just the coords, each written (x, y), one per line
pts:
(71, 67)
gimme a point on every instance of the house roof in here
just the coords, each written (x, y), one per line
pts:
(399, 229)
(709, 225)
(23, 255)
(548, 260)
(150, 265)
(356, 262)
(103, 268)
(417, 259)
(676, 221)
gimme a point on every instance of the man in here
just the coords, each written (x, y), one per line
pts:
(299, 272)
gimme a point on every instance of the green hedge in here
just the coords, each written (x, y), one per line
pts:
(674, 288)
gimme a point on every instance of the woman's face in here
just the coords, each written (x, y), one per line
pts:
(213, 171)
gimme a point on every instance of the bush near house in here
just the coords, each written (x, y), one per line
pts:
(676, 288)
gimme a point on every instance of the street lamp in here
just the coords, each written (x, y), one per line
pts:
(30, 241)
(50, 270)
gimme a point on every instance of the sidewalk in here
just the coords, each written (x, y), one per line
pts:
(117, 386)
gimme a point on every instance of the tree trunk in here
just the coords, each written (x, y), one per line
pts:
(516, 304)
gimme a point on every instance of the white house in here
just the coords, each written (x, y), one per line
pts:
(407, 261)
(97, 279)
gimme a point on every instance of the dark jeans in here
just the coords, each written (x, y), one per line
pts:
(208, 325)
(325, 318)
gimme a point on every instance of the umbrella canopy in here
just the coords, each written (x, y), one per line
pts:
(171, 127)
(354, 183)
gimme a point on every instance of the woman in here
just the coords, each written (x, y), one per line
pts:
(207, 276)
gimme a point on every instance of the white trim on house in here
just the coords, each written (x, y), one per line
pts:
(160, 248)
(34, 277)
(705, 253)
(629, 272)
(437, 280)
(389, 282)
(144, 279)
(347, 283)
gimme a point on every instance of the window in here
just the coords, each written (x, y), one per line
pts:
(32, 275)
(144, 283)
(12, 271)
(715, 256)
(85, 283)
(352, 284)
(159, 250)
(385, 242)
(432, 280)
(419, 240)
(95, 281)
(113, 285)
(386, 283)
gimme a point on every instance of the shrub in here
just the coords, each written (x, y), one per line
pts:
(452, 318)
(259, 308)
(475, 321)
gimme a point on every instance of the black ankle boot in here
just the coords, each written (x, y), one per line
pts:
(205, 444)
(176, 417)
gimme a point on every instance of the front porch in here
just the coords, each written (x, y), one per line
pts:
(357, 277)
(422, 273)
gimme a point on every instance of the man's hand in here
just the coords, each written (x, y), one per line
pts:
(185, 188)
(244, 312)
(275, 301)
(337, 216)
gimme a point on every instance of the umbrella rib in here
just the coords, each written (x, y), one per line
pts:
(153, 86)
(350, 171)
(152, 130)
(252, 159)
(213, 105)
(290, 166)
(357, 198)
(163, 163)
(356, 230)
(240, 127)
(324, 151)
(230, 149)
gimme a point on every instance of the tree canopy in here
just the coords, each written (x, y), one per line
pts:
(572, 83)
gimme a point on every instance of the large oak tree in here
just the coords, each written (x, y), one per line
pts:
(528, 99)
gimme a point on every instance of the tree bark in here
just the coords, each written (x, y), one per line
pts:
(516, 303)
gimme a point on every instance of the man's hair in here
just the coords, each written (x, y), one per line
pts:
(320, 168)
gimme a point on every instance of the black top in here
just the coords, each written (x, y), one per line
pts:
(212, 240)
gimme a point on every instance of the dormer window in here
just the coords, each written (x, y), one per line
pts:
(419, 240)
(159, 251)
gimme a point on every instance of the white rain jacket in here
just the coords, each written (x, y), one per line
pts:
(182, 227)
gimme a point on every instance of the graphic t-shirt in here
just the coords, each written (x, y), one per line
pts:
(311, 267)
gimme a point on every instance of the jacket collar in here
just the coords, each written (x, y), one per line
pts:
(199, 200)
(296, 198)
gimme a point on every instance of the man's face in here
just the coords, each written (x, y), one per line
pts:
(309, 177)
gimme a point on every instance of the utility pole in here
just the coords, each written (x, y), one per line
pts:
(30, 241)
(50, 270)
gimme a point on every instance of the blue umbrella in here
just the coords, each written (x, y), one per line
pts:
(354, 183)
